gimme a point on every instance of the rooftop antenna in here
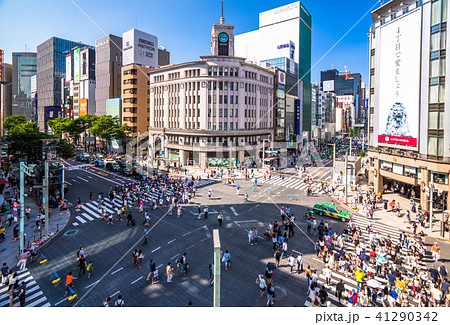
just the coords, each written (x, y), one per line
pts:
(222, 20)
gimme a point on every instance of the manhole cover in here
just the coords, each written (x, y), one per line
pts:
(280, 293)
(71, 233)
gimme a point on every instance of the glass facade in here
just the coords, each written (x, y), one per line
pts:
(24, 67)
(51, 68)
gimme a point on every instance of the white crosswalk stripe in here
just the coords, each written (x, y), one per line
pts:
(293, 183)
(34, 297)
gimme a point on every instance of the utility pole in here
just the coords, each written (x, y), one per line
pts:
(264, 156)
(346, 177)
(45, 192)
(22, 208)
(62, 182)
(431, 203)
(334, 162)
(217, 264)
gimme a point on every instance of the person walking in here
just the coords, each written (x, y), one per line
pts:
(226, 259)
(262, 284)
(152, 266)
(21, 291)
(436, 252)
(119, 302)
(81, 265)
(300, 263)
(69, 282)
(327, 273)
(220, 219)
(270, 293)
(291, 261)
(199, 210)
(5, 271)
(278, 257)
(140, 258)
(22, 260)
(169, 270)
(90, 268)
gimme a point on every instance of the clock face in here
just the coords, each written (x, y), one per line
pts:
(223, 38)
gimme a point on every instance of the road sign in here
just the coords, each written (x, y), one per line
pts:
(15, 205)
(238, 162)
(15, 213)
(76, 167)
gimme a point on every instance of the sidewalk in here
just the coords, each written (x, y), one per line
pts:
(388, 216)
(9, 249)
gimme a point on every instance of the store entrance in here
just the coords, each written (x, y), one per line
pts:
(407, 190)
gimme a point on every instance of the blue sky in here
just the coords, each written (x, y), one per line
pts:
(184, 26)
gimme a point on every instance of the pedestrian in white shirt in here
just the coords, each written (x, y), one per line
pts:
(291, 261)
(327, 273)
(300, 263)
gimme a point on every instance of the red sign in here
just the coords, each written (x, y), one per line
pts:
(407, 141)
(1, 65)
(15, 204)
(15, 213)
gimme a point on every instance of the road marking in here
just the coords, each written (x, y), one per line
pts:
(171, 241)
(159, 266)
(260, 237)
(34, 303)
(136, 280)
(156, 249)
(186, 233)
(90, 177)
(80, 219)
(256, 205)
(67, 183)
(116, 271)
(234, 211)
(174, 256)
(242, 221)
(61, 301)
(75, 224)
(92, 284)
(84, 179)
(296, 251)
(190, 247)
(87, 216)
(115, 293)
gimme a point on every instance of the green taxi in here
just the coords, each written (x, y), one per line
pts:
(329, 210)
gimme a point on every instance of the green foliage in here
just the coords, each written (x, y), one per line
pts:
(66, 149)
(59, 125)
(18, 123)
(109, 128)
(25, 145)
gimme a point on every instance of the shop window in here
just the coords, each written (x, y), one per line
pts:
(387, 166)
(439, 178)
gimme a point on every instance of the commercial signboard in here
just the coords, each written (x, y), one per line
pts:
(76, 66)
(279, 14)
(140, 48)
(68, 68)
(399, 94)
(83, 106)
(50, 113)
(328, 85)
(281, 77)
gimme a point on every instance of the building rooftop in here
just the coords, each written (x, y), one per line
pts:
(391, 6)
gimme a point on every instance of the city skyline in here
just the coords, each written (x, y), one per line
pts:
(174, 28)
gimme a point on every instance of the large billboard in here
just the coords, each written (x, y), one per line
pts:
(399, 92)
(76, 66)
(68, 68)
(83, 106)
(139, 47)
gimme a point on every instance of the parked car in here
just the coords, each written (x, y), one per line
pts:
(112, 167)
(99, 163)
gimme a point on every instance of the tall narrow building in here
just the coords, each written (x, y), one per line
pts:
(24, 67)
(108, 70)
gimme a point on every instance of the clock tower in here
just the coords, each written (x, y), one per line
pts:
(222, 38)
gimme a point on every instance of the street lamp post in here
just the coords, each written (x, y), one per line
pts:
(334, 162)
(24, 169)
(264, 156)
(346, 177)
(217, 264)
(431, 204)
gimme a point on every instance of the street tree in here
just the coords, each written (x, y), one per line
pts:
(60, 125)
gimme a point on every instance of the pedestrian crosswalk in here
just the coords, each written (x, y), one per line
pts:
(91, 210)
(349, 281)
(292, 182)
(34, 297)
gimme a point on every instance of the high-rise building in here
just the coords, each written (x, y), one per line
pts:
(409, 137)
(51, 69)
(24, 67)
(284, 32)
(84, 84)
(212, 111)
(108, 70)
(5, 94)
(140, 56)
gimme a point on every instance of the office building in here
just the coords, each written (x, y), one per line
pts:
(108, 70)
(140, 56)
(83, 83)
(284, 32)
(409, 138)
(51, 70)
(212, 111)
(5, 94)
(23, 68)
